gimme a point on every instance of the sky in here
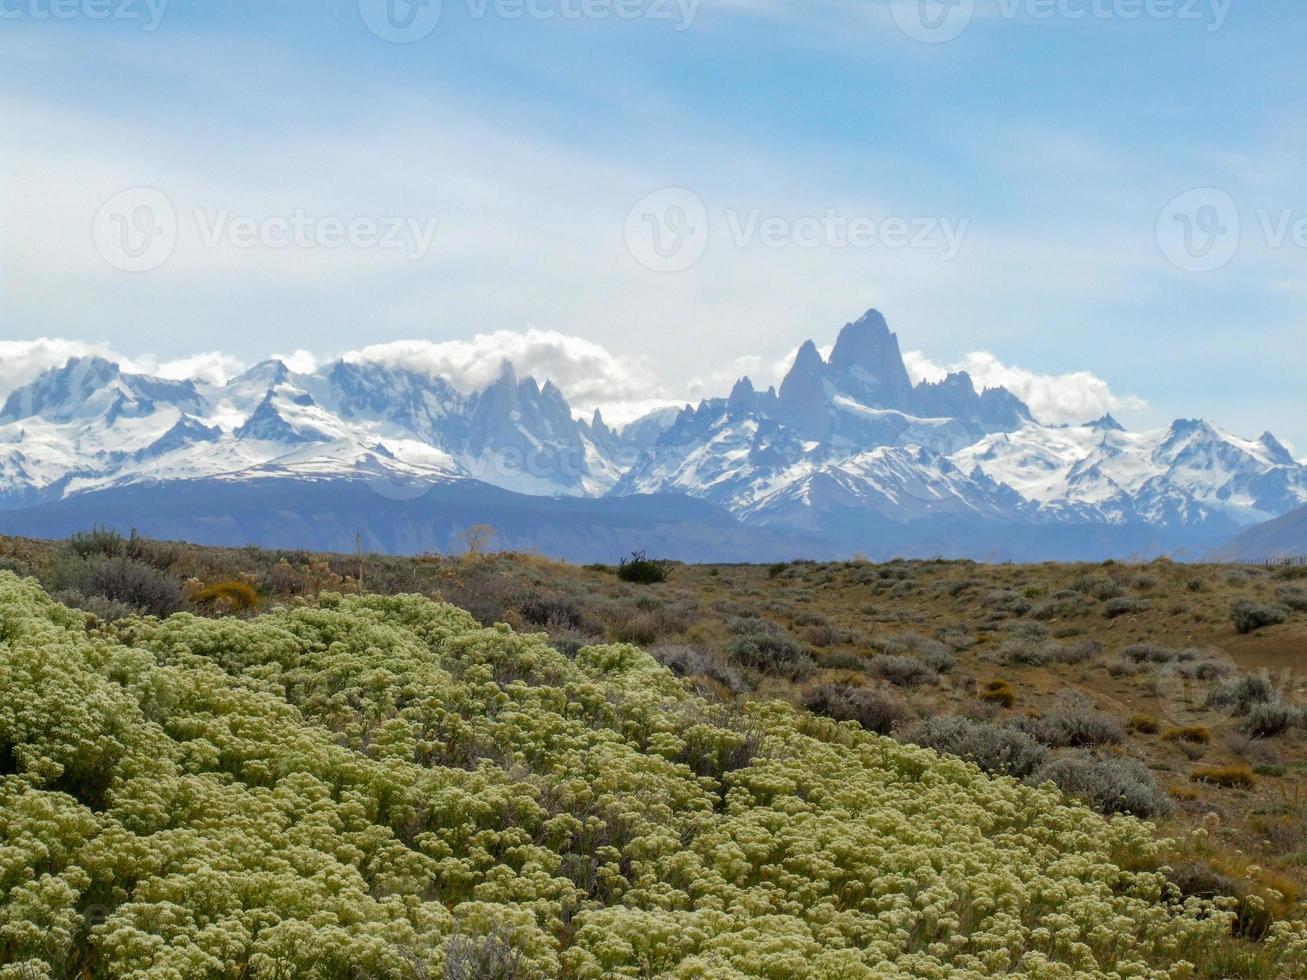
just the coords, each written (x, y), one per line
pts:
(1098, 202)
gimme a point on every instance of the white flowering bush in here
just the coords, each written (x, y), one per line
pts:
(377, 786)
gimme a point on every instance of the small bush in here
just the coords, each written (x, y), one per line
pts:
(1099, 586)
(1143, 725)
(554, 612)
(635, 626)
(772, 653)
(230, 596)
(1010, 602)
(687, 661)
(1292, 597)
(1150, 653)
(940, 661)
(127, 581)
(1125, 607)
(569, 643)
(871, 709)
(1079, 653)
(97, 605)
(1249, 616)
(1239, 695)
(1206, 670)
(1193, 734)
(1111, 785)
(994, 748)
(1231, 777)
(998, 692)
(642, 570)
(99, 542)
(487, 957)
(1271, 719)
(841, 660)
(15, 565)
(1029, 653)
(956, 637)
(1258, 751)
(1074, 722)
(904, 671)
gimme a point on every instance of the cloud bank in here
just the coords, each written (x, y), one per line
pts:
(1077, 396)
(590, 375)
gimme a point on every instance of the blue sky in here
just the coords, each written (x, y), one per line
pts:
(1051, 144)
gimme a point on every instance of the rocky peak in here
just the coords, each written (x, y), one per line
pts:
(742, 396)
(1276, 450)
(1107, 423)
(867, 362)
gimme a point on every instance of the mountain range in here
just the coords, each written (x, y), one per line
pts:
(847, 455)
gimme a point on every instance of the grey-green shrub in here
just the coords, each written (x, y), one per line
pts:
(1241, 693)
(1109, 784)
(872, 709)
(904, 671)
(1073, 722)
(994, 748)
(1249, 616)
(1271, 719)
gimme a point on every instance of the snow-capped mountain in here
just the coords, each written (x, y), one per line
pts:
(89, 425)
(847, 450)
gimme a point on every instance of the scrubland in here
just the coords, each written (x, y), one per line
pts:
(243, 762)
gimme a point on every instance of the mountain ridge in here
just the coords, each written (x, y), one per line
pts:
(847, 449)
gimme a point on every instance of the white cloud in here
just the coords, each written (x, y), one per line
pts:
(21, 361)
(210, 367)
(1077, 396)
(589, 375)
(300, 361)
(719, 382)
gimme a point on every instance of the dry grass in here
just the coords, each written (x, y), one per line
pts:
(1143, 725)
(999, 693)
(1236, 777)
(1193, 734)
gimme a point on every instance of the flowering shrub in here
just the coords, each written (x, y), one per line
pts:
(377, 786)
